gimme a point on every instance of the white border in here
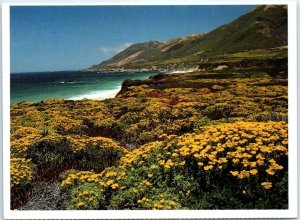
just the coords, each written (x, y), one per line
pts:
(291, 212)
(292, 106)
(6, 105)
(150, 2)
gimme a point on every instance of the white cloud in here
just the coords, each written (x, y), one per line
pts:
(114, 50)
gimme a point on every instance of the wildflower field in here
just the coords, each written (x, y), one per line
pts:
(214, 139)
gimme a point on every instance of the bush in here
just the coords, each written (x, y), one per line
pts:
(47, 196)
(22, 173)
(54, 154)
(225, 167)
(87, 196)
(219, 111)
(269, 116)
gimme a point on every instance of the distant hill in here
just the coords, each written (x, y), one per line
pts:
(261, 28)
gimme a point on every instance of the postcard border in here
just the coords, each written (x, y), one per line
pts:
(291, 212)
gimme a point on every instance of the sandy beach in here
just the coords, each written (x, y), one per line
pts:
(98, 95)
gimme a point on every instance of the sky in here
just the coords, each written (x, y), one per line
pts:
(54, 38)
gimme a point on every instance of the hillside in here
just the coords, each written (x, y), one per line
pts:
(261, 28)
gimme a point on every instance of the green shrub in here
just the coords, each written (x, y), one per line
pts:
(219, 111)
(87, 196)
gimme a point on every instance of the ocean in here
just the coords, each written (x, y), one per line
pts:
(71, 85)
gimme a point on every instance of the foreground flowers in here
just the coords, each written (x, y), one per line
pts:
(194, 165)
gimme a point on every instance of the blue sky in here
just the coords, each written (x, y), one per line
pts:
(75, 37)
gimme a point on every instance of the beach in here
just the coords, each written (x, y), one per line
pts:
(69, 85)
(100, 95)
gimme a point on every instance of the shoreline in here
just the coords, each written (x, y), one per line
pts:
(96, 96)
(71, 87)
(100, 95)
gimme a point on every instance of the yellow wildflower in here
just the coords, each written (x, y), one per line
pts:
(80, 204)
(266, 185)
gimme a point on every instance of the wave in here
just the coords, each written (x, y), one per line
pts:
(66, 82)
(98, 95)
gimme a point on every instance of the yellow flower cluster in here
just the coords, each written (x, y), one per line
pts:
(85, 198)
(111, 178)
(108, 178)
(137, 91)
(249, 148)
(247, 145)
(22, 138)
(164, 204)
(21, 171)
(143, 200)
(65, 124)
(131, 157)
(158, 202)
(81, 142)
(167, 165)
(82, 177)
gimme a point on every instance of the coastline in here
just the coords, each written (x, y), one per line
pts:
(107, 94)
(98, 95)
(75, 85)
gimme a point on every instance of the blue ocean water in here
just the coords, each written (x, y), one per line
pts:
(73, 85)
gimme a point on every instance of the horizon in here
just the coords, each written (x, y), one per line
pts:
(47, 71)
(60, 38)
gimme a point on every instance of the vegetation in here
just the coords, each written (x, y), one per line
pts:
(214, 139)
(268, 23)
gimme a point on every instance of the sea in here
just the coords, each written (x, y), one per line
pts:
(70, 85)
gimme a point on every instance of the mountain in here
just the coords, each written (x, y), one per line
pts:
(263, 27)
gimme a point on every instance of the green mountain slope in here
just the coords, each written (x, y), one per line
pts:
(261, 28)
